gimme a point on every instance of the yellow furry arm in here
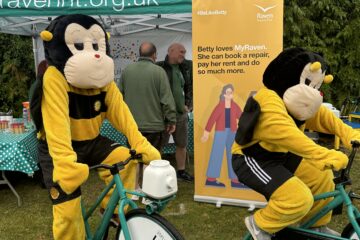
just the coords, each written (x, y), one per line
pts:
(325, 121)
(120, 116)
(55, 111)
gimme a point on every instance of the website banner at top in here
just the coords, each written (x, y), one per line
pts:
(92, 7)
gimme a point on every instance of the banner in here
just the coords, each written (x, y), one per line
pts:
(92, 7)
(233, 42)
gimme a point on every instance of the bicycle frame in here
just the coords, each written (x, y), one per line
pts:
(340, 197)
(118, 197)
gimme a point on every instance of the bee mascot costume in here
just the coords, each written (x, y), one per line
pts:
(271, 153)
(76, 94)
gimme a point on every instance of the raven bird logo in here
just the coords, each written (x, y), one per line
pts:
(264, 9)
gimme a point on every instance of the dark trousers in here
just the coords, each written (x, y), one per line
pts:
(157, 139)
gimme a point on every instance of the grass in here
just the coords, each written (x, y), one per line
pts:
(195, 220)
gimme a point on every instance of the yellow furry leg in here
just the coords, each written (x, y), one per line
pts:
(287, 205)
(68, 221)
(319, 182)
(127, 175)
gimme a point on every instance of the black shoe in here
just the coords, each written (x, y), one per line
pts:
(183, 175)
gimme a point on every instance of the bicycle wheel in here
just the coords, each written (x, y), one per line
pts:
(144, 226)
(349, 232)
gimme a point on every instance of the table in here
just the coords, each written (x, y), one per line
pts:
(353, 124)
(355, 115)
(18, 152)
(107, 130)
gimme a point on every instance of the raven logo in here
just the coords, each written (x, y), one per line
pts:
(264, 9)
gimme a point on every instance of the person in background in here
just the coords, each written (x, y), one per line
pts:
(179, 72)
(36, 102)
(41, 69)
(147, 92)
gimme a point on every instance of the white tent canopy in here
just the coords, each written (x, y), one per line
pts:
(159, 21)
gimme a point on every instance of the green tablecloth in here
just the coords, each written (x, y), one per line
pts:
(18, 152)
(109, 131)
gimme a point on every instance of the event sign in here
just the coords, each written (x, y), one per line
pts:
(233, 42)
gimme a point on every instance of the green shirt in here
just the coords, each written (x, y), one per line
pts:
(178, 89)
(146, 90)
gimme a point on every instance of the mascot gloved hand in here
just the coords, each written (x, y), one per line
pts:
(271, 153)
(70, 175)
(335, 160)
(149, 153)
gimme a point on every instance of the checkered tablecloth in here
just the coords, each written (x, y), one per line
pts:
(18, 152)
(109, 131)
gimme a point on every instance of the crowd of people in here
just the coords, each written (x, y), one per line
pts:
(166, 88)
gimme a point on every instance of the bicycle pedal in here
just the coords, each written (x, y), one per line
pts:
(135, 197)
(114, 221)
(146, 201)
(354, 195)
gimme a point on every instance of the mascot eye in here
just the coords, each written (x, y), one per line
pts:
(79, 46)
(307, 81)
(95, 46)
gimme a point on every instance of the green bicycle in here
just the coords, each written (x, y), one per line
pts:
(137, 223)
(341, 197)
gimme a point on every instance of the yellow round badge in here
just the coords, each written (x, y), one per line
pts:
(97, 106)
(54, 193)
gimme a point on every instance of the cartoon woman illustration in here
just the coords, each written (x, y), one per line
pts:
(225, 116)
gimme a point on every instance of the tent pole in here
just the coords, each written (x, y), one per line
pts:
(35, 49)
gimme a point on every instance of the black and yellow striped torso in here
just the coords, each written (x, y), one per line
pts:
(86, 111)
(86, 108)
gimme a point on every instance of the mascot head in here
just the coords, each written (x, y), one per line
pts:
(77, 45)
(296, 76)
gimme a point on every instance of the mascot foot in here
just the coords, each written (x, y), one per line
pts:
(255, 231)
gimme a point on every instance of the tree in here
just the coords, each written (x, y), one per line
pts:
(329, 27)
(16, 72)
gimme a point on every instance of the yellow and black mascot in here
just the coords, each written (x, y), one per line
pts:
(271, 153)
(76, 94)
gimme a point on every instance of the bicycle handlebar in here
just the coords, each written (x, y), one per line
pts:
(120, 165)
(355, 144)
